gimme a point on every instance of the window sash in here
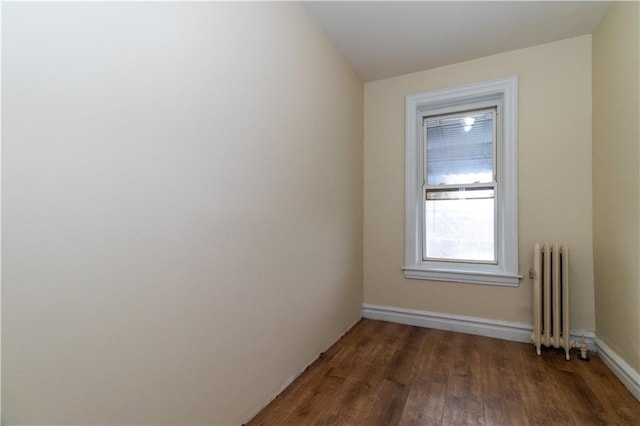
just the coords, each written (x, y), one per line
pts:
(462, 193)
(473, 188)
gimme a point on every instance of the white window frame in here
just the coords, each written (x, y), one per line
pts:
(503, 93)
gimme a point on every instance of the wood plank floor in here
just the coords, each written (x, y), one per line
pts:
(382, 373)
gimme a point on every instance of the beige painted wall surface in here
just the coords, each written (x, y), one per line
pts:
(616, 179)
(555, 196)
(182, 208)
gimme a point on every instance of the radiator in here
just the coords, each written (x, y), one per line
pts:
(551, 297)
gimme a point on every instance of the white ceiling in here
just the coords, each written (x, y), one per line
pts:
(389, 38)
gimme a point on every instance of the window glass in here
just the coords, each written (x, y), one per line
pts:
(460, 148)
(460, 217)
(459, 226)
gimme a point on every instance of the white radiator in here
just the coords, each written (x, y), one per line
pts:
(551, 297)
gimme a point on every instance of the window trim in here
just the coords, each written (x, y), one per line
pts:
(505, 272)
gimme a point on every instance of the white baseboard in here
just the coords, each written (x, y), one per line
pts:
(506, 330)
(620, 368)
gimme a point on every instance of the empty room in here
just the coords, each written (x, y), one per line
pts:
(305, 213)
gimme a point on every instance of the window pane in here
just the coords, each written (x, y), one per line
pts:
(460, 148)
(460, 229)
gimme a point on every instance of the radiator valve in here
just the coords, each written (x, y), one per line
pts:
(582, 348)
(583, 354)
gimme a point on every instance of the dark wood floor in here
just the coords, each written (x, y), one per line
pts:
(383, 373)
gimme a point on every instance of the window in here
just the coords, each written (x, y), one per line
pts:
(461, 184)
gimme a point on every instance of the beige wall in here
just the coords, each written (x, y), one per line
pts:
(182, 208)
(555, 196)
(616, 178)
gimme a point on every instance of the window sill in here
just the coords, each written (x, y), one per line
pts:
(461, 276)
